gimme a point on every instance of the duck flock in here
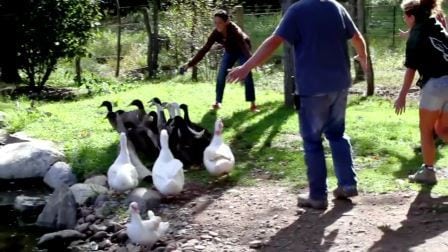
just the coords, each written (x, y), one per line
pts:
(172, 143)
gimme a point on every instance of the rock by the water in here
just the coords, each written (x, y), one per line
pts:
(27, 159)
(60, 174)
(101, 199)
(59, 240)
(113, 227)
(29, 205)
(82, 228)
(99, 236)
(60, 211)
(97, 180)
(107, 209)
(85, 192)
(147, 199)
(120, 236)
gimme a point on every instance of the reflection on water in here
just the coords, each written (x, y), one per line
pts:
(17, 232)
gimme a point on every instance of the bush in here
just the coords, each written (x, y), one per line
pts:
(50, 30)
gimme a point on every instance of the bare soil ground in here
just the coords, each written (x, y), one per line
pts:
(265, 218)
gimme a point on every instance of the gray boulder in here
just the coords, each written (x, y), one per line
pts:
(86, 192)
(97, 180)
(60, 211)
(60, 174)
(27, 159)
(59, 240)
(147, 199)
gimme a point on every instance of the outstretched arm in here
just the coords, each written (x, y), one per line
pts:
(260, 56)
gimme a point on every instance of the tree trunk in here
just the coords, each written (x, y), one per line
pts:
(362, 26)
(78, 70)
(288, 62)
(145, 12)
(117, 70)
(8, 50)
(194, 73)
(153, 66)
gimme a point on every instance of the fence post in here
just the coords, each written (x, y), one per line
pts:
(239, 16)
(117, 70)
(394, 25)
(288, 62)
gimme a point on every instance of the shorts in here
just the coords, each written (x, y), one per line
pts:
(434, 95)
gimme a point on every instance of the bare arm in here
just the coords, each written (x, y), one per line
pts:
(400, 103)
(260, 56)
(359, 44)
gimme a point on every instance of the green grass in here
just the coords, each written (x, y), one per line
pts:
(266, 141)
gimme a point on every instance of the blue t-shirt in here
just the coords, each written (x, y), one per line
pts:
(318, 30)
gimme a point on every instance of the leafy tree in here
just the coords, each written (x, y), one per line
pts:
(50, 30)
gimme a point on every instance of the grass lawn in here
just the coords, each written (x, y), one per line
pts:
(264, 142)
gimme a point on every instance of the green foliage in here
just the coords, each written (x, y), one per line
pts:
(50, 30)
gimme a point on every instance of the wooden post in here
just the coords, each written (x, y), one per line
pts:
(117, 70)
(239, 16)
(362, 26)
(289, 66)
(78, 70)
(145, 12)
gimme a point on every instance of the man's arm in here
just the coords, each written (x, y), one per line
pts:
(359, 44)
(260, 56)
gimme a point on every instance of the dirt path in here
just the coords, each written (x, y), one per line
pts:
(266, 218)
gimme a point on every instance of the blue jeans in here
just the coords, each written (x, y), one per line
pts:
(227, 62)
(325, 114)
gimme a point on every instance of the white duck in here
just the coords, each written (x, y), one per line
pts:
(167, 173)
(145, 232)
(218, 157)
(122, 174)
(142, 171)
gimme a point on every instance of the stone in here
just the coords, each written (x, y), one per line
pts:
(256, 244)
(107, 209)
(59, 174)
(96, 228)
(29, 205)
(91, 218)
(99, 236)
(105, 244)
(82, 228)
(85, 192)
(132, 248)
(120, 236)
(101, 199)
(59, 240)
(147, 199)
(27, 159)
(60, 210)
(97, 180)
(113, 227)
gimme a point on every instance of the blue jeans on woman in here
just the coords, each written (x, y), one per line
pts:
(325, 114)
(227, 62)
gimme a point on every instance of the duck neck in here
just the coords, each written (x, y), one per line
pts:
(124, 152)
(165, 152)
(135, 217)
(186, 115)
(217, 139)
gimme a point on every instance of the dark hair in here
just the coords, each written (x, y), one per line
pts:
(421, 9)
(222, 14)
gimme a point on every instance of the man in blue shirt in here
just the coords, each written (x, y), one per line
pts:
(318, 30)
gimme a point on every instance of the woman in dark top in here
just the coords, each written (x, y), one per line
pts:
(427, 53)
(237, 48)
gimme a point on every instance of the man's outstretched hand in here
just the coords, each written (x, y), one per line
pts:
(237, 74)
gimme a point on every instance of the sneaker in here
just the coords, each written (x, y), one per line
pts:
(306, 201)
(424, 176)
(216, 106)
(345, 192)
